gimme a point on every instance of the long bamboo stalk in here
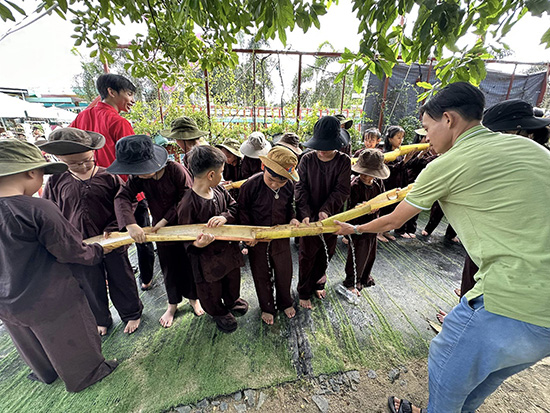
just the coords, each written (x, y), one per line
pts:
(250, 233)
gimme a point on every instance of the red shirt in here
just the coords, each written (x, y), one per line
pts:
(104, 119)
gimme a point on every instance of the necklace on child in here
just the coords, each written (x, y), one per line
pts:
(276, 192)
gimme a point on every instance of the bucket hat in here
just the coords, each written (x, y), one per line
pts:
(66, 141)
(184, 128)
(232, 145)
(326, 135)
(371, 162)
(255, 146)
(513, 114)
(343, 121)
(282, 161)
(138, 155)
(17, 156)
(289, 140)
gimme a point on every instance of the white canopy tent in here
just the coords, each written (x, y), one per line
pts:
(11, 107)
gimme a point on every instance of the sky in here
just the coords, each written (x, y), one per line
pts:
(39, 57)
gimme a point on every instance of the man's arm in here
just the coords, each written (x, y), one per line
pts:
(396, 219)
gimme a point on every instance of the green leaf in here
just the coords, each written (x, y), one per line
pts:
(425, 85)
(17, 8)
(5, 13)
(546, 38)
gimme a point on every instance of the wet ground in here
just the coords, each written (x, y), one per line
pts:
(165, 368)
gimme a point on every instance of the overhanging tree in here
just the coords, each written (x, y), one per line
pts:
(203, 32)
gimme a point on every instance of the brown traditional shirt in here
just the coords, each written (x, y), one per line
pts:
(37, 242)
(162, 195)
(323, 186)
(361, 193)
(250, 166)
(88, 205)
(214, 261)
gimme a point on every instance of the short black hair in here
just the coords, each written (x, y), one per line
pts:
(372, 131)
(461, 97)
(116, 82)
(276, 175)
(205, 158)
(390, 133)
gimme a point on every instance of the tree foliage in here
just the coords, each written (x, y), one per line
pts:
(202, 33)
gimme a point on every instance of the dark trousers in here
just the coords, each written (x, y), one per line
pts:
(92, 282)
(176, 269)
(268, 269)
(365, 254)
(62, 340)
(219, 296)
(468, 273)
(313, 263)
(436, 214)
(122, 284)
(145, 251)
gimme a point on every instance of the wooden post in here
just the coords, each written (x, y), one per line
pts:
(160, 106)
(299, 88)
(544, 85)
(343, 90)
(383, 104)
(511, 82)
(207, 102)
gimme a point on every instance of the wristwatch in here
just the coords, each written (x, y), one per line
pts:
(356, 231)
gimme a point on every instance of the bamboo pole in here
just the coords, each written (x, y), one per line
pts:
(250, 233)
(388, 157)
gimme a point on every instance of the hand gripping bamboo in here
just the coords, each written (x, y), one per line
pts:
(250, 233)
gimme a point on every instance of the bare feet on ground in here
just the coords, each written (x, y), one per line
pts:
(290, 312)
(132, 326)
(306, 304)
(321, 294)
(267, 318)
(197, 308)
(425, 233)
(397, 403)
(389, 236)
(355, 291)
(345, 240)
(455, 239)
(404, 235)
(381, 237)
(441, 316)
(168, 317)
(457, 291)
(102, 331)
(412, 235)
(146, 287)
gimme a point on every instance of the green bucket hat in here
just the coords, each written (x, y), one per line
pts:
(232, 145)
(17, 156)
(184, 128)
(343, 121)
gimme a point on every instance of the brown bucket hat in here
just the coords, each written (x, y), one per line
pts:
(66, 141)
(17, 156)
(282, 161)
(371, 162)
(184, 128)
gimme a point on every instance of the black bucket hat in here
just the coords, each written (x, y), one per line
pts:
(138, 155)
(513, 114)
(327, 135)
(66, 141)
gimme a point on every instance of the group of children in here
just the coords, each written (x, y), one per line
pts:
(285, 186)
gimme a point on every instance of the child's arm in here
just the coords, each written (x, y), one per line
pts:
(124, 209)
(303, 211)
(182, 182)
(340, 193)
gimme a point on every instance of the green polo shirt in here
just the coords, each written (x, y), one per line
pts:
(495, 191)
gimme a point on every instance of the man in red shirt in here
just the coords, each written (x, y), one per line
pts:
(117, 95)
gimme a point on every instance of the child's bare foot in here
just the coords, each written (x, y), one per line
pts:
(268, 318)
(102, 331)
(409, 408)
(455, 240)
(132, 326)
(146, 287)
(197, 308)
(321, 294)
(168, 317)
(441, 316)
(425, 233)
(345, 240)
(389, 236)
(381, 237)
(457, 291)
(290, 312)
(354, 291)
(411, 235)
(306, 304)
(404, 235)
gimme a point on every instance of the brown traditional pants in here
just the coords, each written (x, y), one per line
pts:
(219, 296)
(278, 266)
(365, 254)
(313, 263)
(177, 272)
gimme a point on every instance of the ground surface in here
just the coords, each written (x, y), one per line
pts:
(292, 363)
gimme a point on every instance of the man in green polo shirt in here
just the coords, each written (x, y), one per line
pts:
(495, 191)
